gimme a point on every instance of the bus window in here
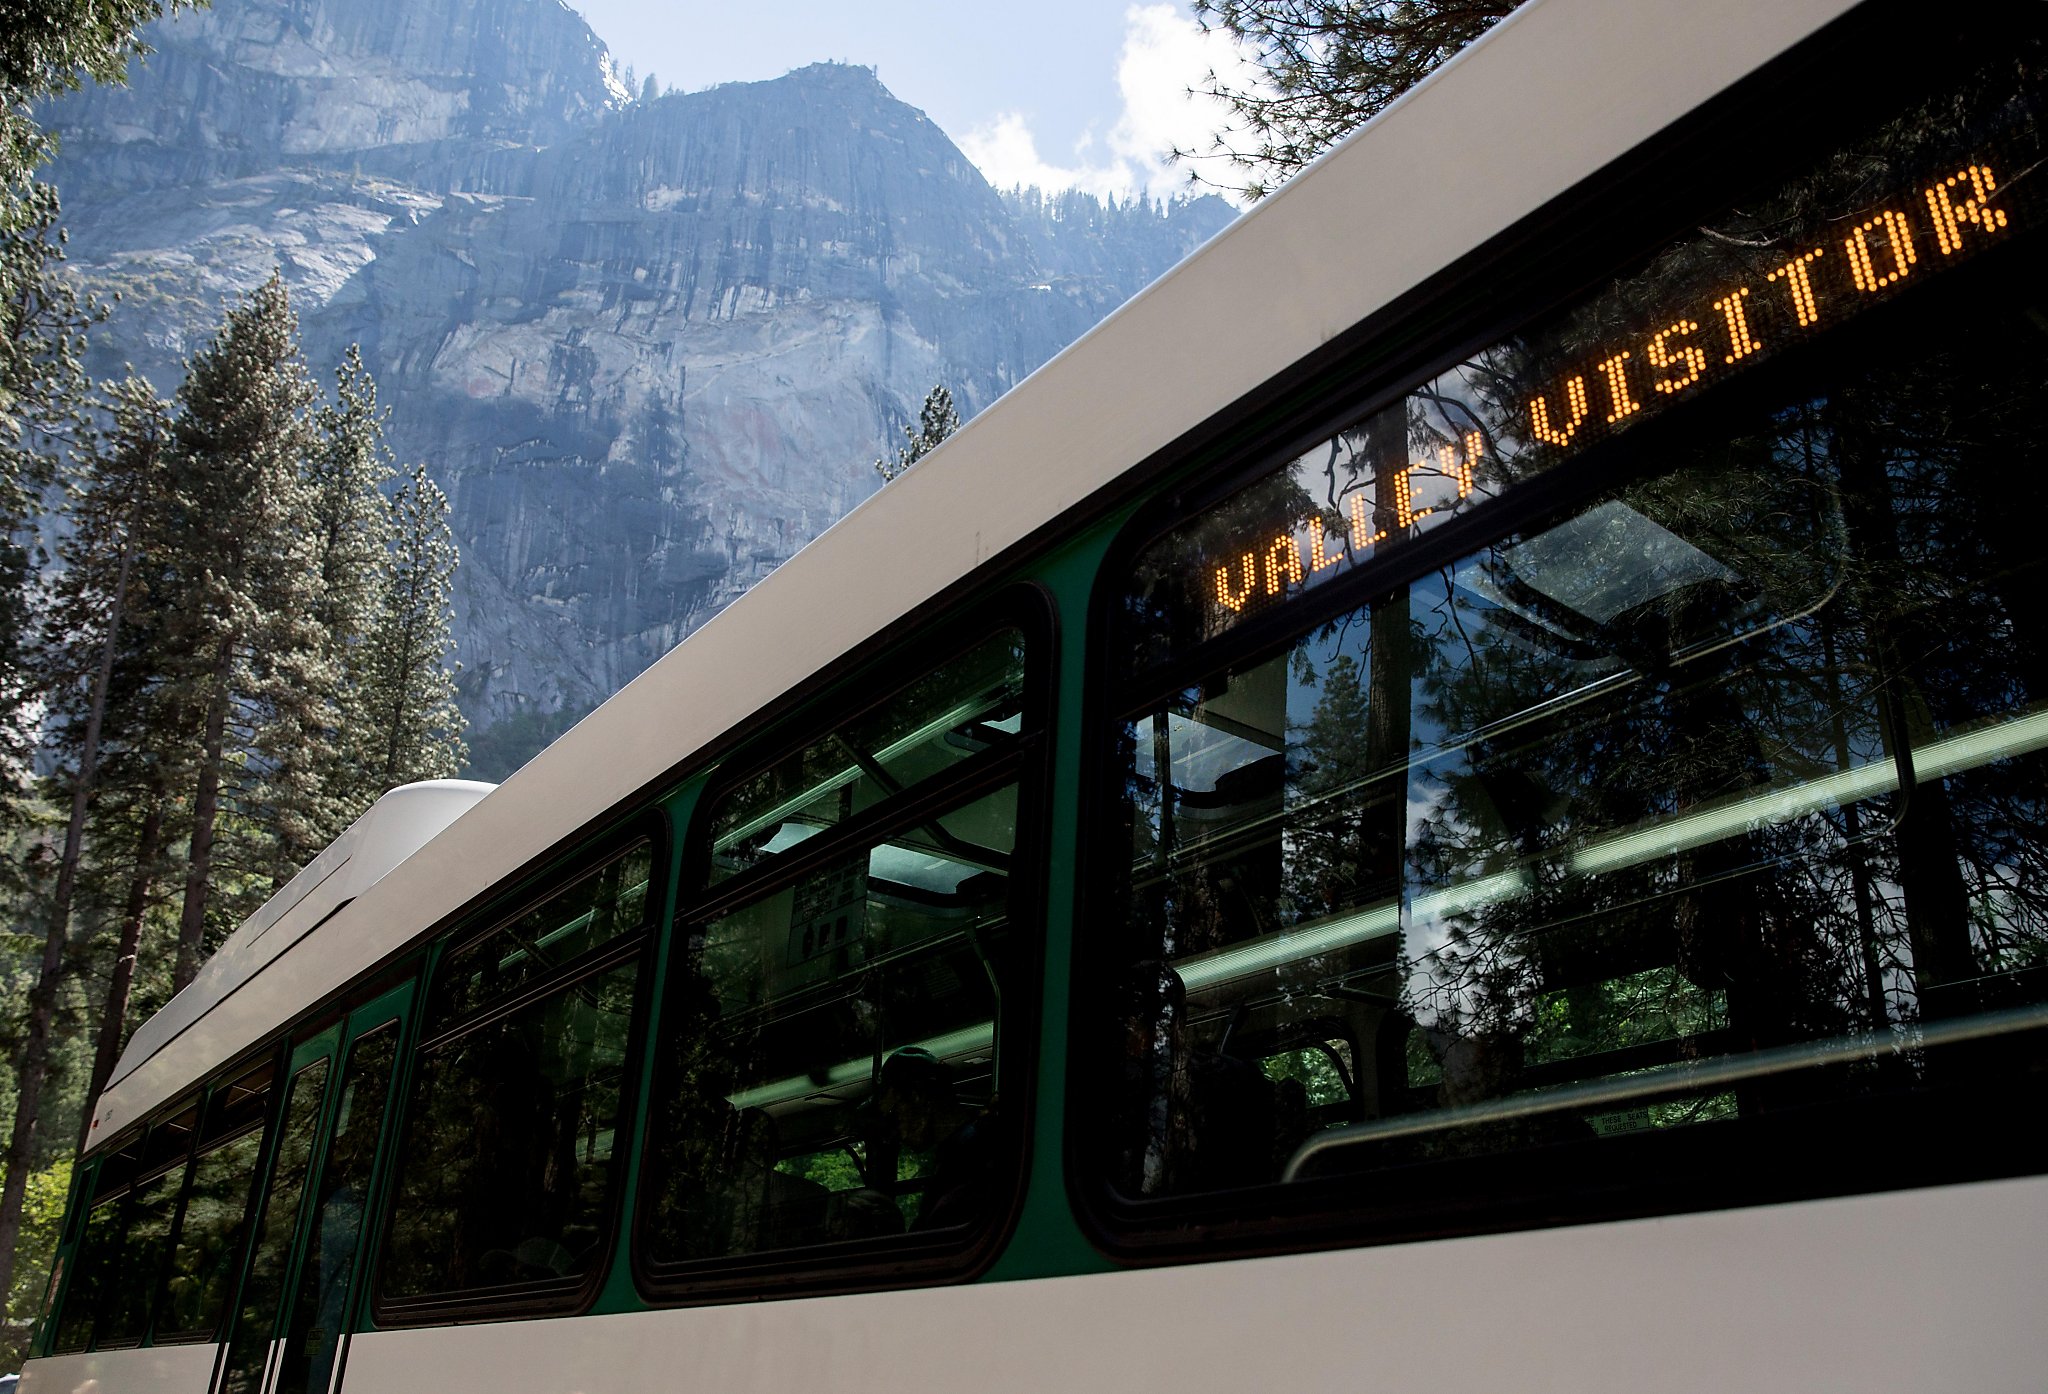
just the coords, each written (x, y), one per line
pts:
(242, 1370)
(321, 1307)
(829, 1055)
(99, 1249)
(128, 1237)
(201, 1271)
(1644, 838)
(971, 705)
(508, 1168)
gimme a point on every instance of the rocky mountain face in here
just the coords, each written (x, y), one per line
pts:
(650, 348)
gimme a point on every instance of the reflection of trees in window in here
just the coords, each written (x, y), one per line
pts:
(209, 1245)
(510, 1160)
(163, 1237)
(830, 1044)
(771, 1121)
(1801, 618)
(245, 1364)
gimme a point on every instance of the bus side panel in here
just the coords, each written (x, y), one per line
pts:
(156, 1370)
(1903, 1292)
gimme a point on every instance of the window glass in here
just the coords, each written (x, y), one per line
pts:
(321, 1307)
(208, 1248)
(594, 910)
(209, 1239)
(972, 704)
(508, 1167)
(830, 1052)
(1707, 810)
(256, 1316)
(99, 1256)
(143, 1219)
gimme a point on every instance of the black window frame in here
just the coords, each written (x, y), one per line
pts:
(1850, 73)
(912, 1259)
(564, 1297)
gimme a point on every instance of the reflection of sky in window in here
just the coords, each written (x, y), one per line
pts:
(1609, 560)
(1442, 411)
(790, 834)
(906, 867)
(1203, 754)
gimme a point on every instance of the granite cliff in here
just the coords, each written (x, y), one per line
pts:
(648, 347)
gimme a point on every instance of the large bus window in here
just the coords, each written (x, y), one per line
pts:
(164, 1234)
(509, 1167)
(243, 1369)
(1691, 832)
(320, 1310)
(99, 1254)
(201, 1271)
(128, 1237)
(829, 1059)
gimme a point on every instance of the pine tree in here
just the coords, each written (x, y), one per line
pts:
(247, 668)
(84, 635)
(1325, 68)
(105, 653)
(42, 395)
(46, 47)
(410, 718)
(935, 421)
(351, 536)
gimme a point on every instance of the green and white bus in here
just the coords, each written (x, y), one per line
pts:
(1453, 798)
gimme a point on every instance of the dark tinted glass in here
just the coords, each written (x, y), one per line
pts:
(98, 1257)
(594, 910)
(970, 705)
(209, 1242)
(1805, 271)
(152, 1206)
(256, 1316)
(148, 1212)
(1696, 830)
(207, 1251)
(508, 1165)
(829, 1052)
(320, 1310)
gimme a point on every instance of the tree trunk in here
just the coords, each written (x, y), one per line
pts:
(34, 1069)
(205, 812)
(30, 1076)
(1388, 693)
(1945, 967)
(114, 1018)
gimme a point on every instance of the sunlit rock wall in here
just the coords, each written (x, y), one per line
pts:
(649, 348)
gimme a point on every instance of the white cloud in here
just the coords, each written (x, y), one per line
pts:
(1165, 53)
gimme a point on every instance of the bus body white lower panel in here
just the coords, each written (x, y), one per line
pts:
(158, 1370)
(1909, 1292)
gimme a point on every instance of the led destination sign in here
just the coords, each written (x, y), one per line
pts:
(1817, 287)
(1706, 311)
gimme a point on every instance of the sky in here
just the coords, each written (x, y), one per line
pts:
(1086, 94)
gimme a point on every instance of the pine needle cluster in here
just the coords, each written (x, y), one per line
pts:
(1323, 68)
(936, 420)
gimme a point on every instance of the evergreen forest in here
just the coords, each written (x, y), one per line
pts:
(224, 632)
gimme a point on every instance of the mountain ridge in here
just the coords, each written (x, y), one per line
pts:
(649, 348)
